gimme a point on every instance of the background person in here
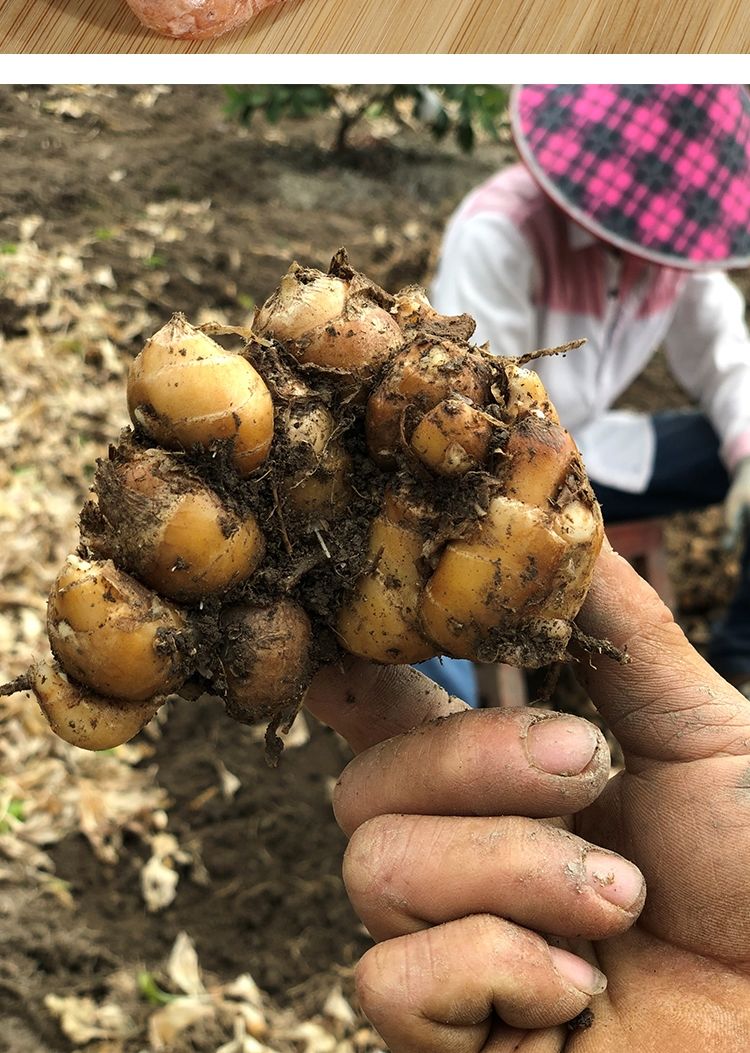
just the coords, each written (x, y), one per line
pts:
(630, 203)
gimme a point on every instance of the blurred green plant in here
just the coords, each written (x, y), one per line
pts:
(463, 111)
(15, 809)
(155, 262)
(150, 991)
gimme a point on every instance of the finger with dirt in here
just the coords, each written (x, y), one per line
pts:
(405, 873)
(367, 703)
(485, 762)
(456, 980)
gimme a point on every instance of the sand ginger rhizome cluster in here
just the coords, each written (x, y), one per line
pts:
(354, 476)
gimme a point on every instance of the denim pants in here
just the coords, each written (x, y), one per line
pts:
(688, 475)
(456, 675)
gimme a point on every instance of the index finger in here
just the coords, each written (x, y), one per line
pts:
(666, 702)
(367, 703)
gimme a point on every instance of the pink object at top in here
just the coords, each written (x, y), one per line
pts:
(661, 171)
(196, 19)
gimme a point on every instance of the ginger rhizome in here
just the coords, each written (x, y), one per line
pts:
(355, 477)
(196, 19)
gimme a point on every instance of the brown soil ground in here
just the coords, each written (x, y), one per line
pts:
(153, 201)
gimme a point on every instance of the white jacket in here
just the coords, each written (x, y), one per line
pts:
(532, 278)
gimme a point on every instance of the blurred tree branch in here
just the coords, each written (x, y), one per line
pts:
(461, 110)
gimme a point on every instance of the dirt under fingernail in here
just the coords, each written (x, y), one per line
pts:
(615, 879)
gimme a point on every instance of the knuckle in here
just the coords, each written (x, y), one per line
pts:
(498, 938)
(516, 833)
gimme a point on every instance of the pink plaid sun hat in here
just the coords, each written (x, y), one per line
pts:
(661, 171)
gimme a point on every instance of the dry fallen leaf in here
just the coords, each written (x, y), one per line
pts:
(82, 1020)
(168, 1023)
(312, 1036)
(243, 1043)
(161, 873)
(337, 1008)
(158, 884)
(183, 968)
(230, 784)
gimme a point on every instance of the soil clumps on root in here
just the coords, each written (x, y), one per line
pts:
(355, 477)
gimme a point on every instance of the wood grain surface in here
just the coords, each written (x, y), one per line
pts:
(397, 26)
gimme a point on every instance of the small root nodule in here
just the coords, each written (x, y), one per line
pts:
(21, 683)
(550, 352)
(595, 645)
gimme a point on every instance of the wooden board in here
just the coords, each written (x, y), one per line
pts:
(398, 26)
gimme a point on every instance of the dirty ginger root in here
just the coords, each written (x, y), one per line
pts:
(356, 477)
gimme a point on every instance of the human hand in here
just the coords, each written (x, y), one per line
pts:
(737, 505)
(456, 901)
(442, 835)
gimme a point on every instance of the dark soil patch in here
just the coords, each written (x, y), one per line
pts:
(275, 905)
(276, 192)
